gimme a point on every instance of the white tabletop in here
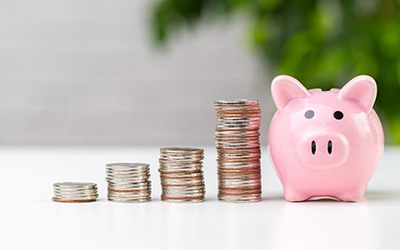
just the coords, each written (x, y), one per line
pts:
(30, 220)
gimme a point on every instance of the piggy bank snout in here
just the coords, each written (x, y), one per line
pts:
(322, 150)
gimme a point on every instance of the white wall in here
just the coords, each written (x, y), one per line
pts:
(86, 72)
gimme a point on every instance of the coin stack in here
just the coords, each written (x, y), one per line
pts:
(128, 182)
(238, 147)
(181, 174)
(75, 192)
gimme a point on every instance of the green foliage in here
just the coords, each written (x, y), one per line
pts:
(322, 43)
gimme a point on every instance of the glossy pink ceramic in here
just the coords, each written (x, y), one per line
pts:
(325, 143)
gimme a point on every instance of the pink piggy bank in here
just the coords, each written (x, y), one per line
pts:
(325, 143)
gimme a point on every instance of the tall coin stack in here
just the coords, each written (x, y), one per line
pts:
(75, 192)
(181, 174)
(238, 147)
(128, 182)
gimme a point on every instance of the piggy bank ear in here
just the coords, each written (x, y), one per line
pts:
(285, 89)
(361, 89)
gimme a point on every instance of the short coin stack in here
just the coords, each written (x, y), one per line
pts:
(75, 192)
(238, 147)
(181, 174)
(128, 182)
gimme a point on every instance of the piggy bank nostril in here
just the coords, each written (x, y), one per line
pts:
(313, 147)
(330, 147)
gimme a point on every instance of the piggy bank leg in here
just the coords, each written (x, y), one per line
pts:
(295, 195)
(356, 194)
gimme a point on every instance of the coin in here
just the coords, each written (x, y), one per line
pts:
(181, 174)
(238, 150)
(75, 192)
(128, 182)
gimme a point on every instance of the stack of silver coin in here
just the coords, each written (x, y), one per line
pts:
(75, 192)
(181, 174)
(128, 182)
(238, 147)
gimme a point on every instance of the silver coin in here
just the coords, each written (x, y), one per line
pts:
(128, 178)
(129, 200)
(127, 172)
(181, 174)
(87, 197)
(74, 185)
(238, 150)
(178, 150)
(75, 197)
(186, 190)
(241, 198)
(236, 102)
(128, 187)
(129, 194)
(61, 192)
(127, 165)
(174, 169)
(174, 165)
(74, 191)
(128, 182)
(168, 182)
(239, 185)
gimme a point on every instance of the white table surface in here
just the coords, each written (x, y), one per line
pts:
(30, 220)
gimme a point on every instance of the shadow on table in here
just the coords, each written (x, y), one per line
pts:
(274, 197)
(325, 199)
(373, 195)
(382, 195)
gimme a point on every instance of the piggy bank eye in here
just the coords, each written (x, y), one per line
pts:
(338, 115)
(309, 114)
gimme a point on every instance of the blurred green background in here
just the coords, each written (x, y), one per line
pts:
(321, 43)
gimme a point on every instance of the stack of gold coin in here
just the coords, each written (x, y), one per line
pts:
(128, 182)
(75, 192)
(238, 147)
(181, 174)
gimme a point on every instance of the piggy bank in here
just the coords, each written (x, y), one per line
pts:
(325, 143)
